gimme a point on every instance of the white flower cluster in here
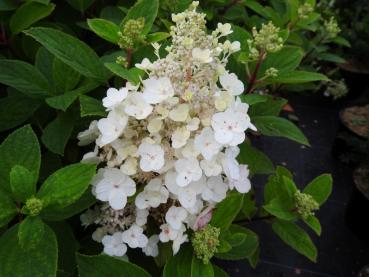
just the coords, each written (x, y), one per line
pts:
(168, 146)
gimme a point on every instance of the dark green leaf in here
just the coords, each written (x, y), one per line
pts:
(80, 5)
(218, 272)
(272, 106)
(185, 263)
(279, 127)
(8, 5)
(57, 133)
(7, 208)
(282, 187)
(66, 185)
(104, 29)
(296, 237)
(40, 261)
(15, 110)
(19, 148)
(44, 63)
(27, 14)
(71, 51)
(146, 9)
(252, 99)
(103, 265)
(296, 77)
(22, 183)
(65, 78)
(30, 232)
(320, 188)
(331, 58)
(23, 77)
(227, 210)
(91, 107)
(256, 160)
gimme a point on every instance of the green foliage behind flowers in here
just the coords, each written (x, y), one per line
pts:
(55, 70)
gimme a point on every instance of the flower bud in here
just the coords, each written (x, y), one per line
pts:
(205, 243)
(33, 206)
(305, 204)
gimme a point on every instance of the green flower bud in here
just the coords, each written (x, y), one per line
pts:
(304, 11)
(305, 204)
(267, 38)
(121, 61)
(332, 27)
(131, 36)
(336, 89)
(205, 242)
(33, 206)
(271, 72)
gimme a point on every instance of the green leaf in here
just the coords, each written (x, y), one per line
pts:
(40, 261)
(145, 9)
(27, 14)
(331, 58)
(7, 208)
(185, 263)
(314, 224)
(66, 185)
(272, 106)
(19, 148)
(295, 237)
(279, 209)
(24, 77)
(341, 41)
(320, 188)
(285, 60)
(252, 99)
(132, 75)
(227, 210)
(279, 127)
(22, 183)
(155, 37)
(30, 232)
(256, 160)
(71, 51)
(57, 133)
(296, 77)
(103, 265)
(44, 63)
(62, 102)
(91, 106)
(15, 110)
(218, 272)
(243, 241)
(104, 29)
(57, 213)
(65, 78)
(80, 5)
(282, 187)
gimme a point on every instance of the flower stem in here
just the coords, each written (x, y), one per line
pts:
(252, 80)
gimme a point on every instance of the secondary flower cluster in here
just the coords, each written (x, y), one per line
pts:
(168, 146)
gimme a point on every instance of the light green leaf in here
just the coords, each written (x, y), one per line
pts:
(65, 78)
(279, 127)
(71, 51)
(132, 75)
(15, 110)
(27, 14)
(146, 9)
(66, 185)
(314, 224)
(185, 264)
(104, 29)
(40, 261)
(62, 102)
(19, 148)
(57, 214)
(155, 37)
(103, 265)
(320, 188)
(23, 77)
(280, 209)
(243, 241)
(282, 187)
(296, 237)
(252, 99)
(57, 133)
(256, 160)
(227, 210)
(22, 183)
(7, 208)
(30, 232)
(296, 77)
(91, 106)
